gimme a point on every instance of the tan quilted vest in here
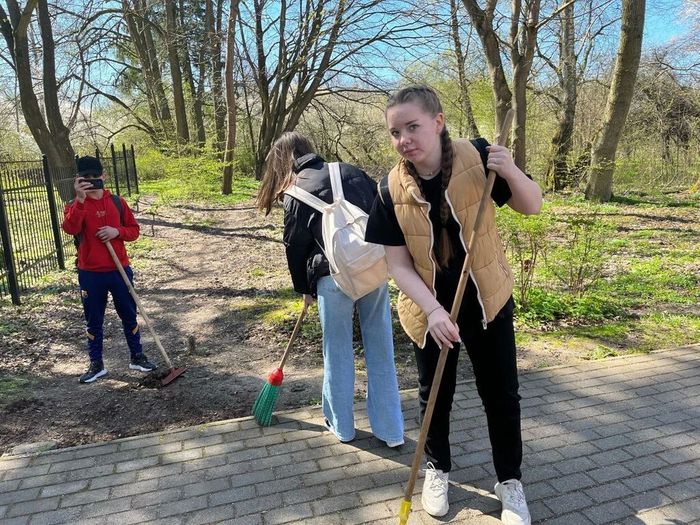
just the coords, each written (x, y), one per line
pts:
(490, 271)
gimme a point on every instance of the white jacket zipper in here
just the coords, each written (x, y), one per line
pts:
(471, 274)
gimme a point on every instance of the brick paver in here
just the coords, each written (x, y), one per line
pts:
(615, 441)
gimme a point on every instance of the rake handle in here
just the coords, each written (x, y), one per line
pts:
(456, 304)
(297, 326)
(119, 266)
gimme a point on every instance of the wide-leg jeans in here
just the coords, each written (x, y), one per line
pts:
(383, 402)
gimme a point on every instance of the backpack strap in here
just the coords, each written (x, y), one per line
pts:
(336, 181)
(117, 200)
(306, 197)
(384, 194)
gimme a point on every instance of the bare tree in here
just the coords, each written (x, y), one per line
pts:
(465, 101)
(322, 44)
(136, 15)
(183, 132)
(187, 37)
(599, 186)
(227, 184)
(579, 25)
(482, 20)
(524, 23)
(523, 35)
(213, 20)
(47, 126)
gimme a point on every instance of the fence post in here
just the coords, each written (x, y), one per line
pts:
(52, 211)
(114, 168)
(133, 165)
(7, 251)
(126, 167)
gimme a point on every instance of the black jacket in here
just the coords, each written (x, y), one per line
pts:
(302, 225)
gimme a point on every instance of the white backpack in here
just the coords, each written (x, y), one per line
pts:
(358, 267)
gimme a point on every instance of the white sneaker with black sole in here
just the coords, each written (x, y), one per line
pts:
(434, 496)
(140, 362)
(94, 371)
(514, 507)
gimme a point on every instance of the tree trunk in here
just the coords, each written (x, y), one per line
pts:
(195, 93)
(599, 186)
(57, 148)
(59, 131)
(171, 38)
(141, 37)
(213, 23)
(482, 20)
(227, 184)
(523, 37)
(558, 172)
(465, 101)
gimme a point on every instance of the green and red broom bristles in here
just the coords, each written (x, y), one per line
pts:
(265, 403)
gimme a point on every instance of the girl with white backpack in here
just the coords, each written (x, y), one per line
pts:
(293, 168)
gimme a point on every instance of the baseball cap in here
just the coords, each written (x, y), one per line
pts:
(89, 166)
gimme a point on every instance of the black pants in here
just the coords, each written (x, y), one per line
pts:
(492, 353)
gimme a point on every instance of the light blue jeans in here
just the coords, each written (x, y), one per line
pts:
(383, 402)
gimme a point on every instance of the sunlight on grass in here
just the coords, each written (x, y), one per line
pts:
(661, 330)
(13, 388)
(190, 179)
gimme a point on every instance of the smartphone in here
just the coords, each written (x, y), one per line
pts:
(97, 184)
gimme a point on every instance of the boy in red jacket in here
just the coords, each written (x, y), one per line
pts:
(95, 219)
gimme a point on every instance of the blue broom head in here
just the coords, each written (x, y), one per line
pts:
(265, 404)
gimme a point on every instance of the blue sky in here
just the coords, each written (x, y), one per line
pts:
(663, 22)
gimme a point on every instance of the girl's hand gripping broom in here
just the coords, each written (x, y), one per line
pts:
(437, 377)
(265, 403)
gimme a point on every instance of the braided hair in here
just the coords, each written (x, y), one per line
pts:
(426, 98)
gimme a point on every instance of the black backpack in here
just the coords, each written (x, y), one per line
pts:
(116, 199)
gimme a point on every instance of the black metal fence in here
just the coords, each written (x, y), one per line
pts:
(32, 197)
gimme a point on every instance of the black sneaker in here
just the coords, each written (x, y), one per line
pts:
(95, 370)
(140, 362)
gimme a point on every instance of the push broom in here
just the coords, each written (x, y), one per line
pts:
(265, 403)
(171, 373)
(437, 377)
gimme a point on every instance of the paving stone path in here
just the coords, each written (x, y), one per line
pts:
(614, 441)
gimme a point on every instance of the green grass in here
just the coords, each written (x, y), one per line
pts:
(14, 388)
(190, 179)
(648, 292)
(659, 279)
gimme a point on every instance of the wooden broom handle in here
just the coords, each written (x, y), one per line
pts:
(466, 268)
(138, 302)
(294, 335)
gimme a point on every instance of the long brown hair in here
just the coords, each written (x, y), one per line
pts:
(279, 173)
(426, 98)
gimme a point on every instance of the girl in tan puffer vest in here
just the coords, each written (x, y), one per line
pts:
(423, 214)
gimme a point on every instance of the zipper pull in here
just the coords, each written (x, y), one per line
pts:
(484, 323)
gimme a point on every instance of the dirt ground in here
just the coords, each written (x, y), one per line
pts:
(209, 275)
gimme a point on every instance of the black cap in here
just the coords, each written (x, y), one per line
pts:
(88, 165)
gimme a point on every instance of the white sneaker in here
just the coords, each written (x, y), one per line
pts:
(434, 497)
(515, 511)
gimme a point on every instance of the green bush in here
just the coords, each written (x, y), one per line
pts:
(577, 261)
(525, 239)
(548, 306)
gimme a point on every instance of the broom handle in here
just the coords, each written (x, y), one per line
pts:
(293, 336)
(456, 304)
(138, 302)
